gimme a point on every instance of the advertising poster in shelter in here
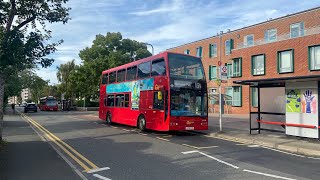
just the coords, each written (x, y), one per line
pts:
(309, 101)
(293, 99)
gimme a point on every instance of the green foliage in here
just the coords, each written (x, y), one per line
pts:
(24, 38)
(63, 75)
(106, 52)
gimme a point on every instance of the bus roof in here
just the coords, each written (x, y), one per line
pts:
(158, 56)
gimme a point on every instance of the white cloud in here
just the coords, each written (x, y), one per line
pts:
(164, 8)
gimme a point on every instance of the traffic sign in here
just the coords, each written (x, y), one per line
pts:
(224, 73)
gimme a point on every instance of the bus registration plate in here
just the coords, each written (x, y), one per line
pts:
(189, 128)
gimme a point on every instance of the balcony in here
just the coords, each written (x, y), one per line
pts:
(281, 37)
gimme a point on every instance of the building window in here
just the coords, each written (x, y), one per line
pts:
(228, 96)
(254, 97)
(187, 51)
(199, 51)
(213, 96)
(248, 40)
(258, 65)
(270, 35)
(228, 46)
(212, 50)
(212, 72)
(314, 58)
(237, 96)
(297, 30)
(285, 61)
(237, 67)
(229, 70)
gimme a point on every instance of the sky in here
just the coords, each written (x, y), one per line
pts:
(162, 23)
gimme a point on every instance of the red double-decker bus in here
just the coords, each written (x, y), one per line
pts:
(48, 104)
(164, 92)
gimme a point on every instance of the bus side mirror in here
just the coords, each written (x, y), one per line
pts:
(159, 95)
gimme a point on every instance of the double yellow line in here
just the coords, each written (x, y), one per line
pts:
(76, 156)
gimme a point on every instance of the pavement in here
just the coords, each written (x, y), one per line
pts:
(236, 128)
(27, 156)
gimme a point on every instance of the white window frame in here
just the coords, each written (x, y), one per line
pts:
(286, 70)
(187, 51)
(238, 99)
(213, 75)
(269, 31)
(255, 70)
(214, 49)
(227, 48)
(199, 53)
(235, 73)
(299, 32)
(313, 58)
(245, 40)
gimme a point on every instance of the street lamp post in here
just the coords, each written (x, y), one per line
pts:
(151, 47)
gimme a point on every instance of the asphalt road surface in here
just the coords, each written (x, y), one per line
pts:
(94, 150)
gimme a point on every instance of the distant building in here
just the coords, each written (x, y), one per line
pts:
(13, 100)
(25, 95)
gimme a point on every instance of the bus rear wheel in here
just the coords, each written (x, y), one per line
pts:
(109, 121)
(142, 123)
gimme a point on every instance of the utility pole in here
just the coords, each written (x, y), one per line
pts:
(220, 94)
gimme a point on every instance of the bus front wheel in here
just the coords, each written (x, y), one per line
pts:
(109, 118)
(142, 123)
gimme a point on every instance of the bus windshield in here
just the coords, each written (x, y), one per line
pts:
(188, 90)
(51, 102)
(186, 67)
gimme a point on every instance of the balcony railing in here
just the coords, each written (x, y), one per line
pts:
(281, 37)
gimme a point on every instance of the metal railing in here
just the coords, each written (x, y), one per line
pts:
(281, 37)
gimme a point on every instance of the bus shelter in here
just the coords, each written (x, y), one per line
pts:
(287, 104)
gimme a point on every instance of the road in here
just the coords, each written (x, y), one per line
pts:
(94, 150)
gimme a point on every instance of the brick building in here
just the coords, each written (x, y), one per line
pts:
(286, 47)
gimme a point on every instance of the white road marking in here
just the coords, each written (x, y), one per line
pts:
(97, 170)
(162, 139)
(101, 177)
(211, 157)
(253, 146)
(241, 144)
(314, 158)
(269, 175)
(283, 151)
(143, 134)
(114, 127)
(126, 130)
(189, 152)
(103, 125)
(223, 162)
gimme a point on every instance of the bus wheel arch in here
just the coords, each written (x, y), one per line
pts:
(142, 122)
(109, 118)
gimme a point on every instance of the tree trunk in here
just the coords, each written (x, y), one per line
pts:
(1, 104)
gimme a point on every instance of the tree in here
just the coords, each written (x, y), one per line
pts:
(63, 75)
(24, 36)
(106, 52)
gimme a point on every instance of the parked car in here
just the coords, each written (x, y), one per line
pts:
(30, 107)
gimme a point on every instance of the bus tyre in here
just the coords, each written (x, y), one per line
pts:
(142, 123)
(109, 118)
